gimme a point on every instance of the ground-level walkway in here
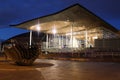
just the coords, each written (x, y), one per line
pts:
(44, 69)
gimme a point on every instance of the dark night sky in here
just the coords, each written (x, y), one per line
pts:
(17, 11)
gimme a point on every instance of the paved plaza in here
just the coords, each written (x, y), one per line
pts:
(44, 69)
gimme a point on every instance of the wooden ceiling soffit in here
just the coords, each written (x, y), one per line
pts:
(75, 15)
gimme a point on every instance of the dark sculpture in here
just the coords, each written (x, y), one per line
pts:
(22, 54)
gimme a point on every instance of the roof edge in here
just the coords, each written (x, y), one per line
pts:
(115, 29)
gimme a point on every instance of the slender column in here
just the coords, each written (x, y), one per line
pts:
(59, 41)
(103, 37)
(66, 40)
(86, 39)
(72, 35)
(30, 38)
(54, 40)
(63, 42)
(47, 41)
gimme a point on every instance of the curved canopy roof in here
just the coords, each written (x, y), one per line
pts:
(76, 16)
(34, 10)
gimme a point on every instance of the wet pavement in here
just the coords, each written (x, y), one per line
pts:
(44, 69)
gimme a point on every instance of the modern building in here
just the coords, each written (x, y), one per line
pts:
(74, 27)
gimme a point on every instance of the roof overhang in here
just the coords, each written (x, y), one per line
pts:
(75, 17)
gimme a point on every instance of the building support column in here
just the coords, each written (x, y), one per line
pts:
(62, 41)
(86, 39)
(72, 36)
(30, 38)
(47, 41)
(66, 41)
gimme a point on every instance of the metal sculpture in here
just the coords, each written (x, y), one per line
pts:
(21, 54)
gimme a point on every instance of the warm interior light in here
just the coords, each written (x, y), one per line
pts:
(38, 27)
(95, 37)
(54, 31)
(31, 28)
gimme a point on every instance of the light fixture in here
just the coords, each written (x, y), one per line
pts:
(38, 27)
(54, 31)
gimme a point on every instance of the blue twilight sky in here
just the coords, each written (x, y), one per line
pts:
(6, 33)
(18, 11)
